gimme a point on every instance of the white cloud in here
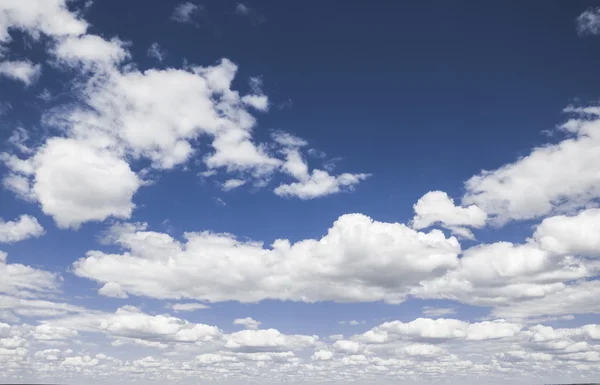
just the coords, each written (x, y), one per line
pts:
(156, 52)
(18, 279)
(189, 306)
(436, 207)
(112, 289)
(351, 322)
(23, 71)
(23, 228)
(322, 355)
(76, 183)
(90, 52)
(576, 235)
(35, 17)
(267, 340)
(185, 12)
(358, 260)
(231, 184)
(437, 311)
(288, 140)
(313, 185)
(551, 179)
(248, 322)
(588, 23)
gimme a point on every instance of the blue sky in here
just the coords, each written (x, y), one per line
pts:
(295, 192)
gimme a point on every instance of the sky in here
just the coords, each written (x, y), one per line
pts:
(270, 192)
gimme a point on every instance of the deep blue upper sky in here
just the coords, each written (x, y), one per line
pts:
(453, 87)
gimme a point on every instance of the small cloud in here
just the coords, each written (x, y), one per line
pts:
(178, 307)
(588, 23)
(184, 12)
(288, 140)
(352, 322)
(156, 52)
(207, 173)
(287, 104)
(244, 10)
(220, 202)
(437, 311)
(316, 153)
(248, 322)
(231, 184)
(23, 71)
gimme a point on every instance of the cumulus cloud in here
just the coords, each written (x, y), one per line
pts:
(248, 322)
(24, 281)
(358, 260)
(231, 184)
(23, 228)
(436, 207)
(530, 279)
(313, 184)
(552, 178)
(23, 71)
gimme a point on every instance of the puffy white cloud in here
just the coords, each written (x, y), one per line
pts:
(552, 178)
(502, 273)
(346, 346)
(129, 322)
(440, 330)
(322, 355)
(185, 12)
(231, 184)
(18, 279)
(35, 17)
(248, 322)
(577, 298)
(267, 340)
(112, 289)
(23, 228)
(50, 333)
(76, 183)
(358, 260)
(313, 184)
(436, 207)
(90, 51)
(577, 235)
(588, 23)
(23, 71)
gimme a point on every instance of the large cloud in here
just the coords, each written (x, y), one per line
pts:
(557, 177)
(125, 114)
(358, 260)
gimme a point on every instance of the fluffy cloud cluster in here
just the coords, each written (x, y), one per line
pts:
(358, 260)
(436, 207)
(23, 228)
(173, 349)
(551, 179)
(129, 115)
